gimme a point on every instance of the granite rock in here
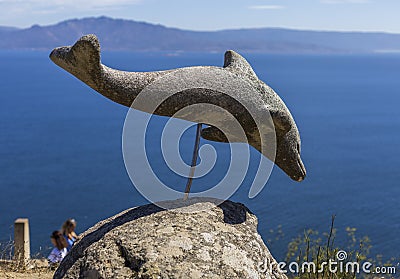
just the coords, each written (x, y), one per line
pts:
(195, 240)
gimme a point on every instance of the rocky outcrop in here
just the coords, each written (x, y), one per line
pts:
(197, 239)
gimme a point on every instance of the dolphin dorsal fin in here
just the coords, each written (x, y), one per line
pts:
(234, 61)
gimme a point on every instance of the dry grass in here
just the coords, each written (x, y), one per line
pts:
(35, 268)
(26, 274)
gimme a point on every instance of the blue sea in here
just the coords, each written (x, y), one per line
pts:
(61, 150)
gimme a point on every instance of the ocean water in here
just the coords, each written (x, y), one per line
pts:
(61, 157)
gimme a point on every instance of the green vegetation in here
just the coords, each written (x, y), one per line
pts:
(311, 253)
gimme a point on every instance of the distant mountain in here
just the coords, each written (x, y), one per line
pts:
(7, 28)
(119, 34)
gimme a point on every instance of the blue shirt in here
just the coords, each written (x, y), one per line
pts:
(70, 242)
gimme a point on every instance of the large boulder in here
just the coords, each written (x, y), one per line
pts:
(198, 239)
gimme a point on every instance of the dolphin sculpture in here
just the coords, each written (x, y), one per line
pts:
(83, 61)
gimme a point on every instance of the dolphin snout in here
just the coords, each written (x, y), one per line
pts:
(302, 170)
(294, 168)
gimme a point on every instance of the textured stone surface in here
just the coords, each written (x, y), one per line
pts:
(237, 78)
(195, 240)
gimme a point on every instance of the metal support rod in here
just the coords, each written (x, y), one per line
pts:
(194, 162)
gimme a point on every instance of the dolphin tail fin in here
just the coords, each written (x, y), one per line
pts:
(234, 60)
(87, 49)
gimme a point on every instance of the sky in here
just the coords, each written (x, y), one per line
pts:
(340, 15)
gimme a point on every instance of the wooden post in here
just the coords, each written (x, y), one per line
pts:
(22, 250)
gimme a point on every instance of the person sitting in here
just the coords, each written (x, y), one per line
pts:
(60, 248)
(68, 230)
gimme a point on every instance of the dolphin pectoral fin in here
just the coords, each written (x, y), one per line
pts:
(213, 134)
(238, 63)
(282, 120)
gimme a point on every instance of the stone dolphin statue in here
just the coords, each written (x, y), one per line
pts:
(83, 61)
